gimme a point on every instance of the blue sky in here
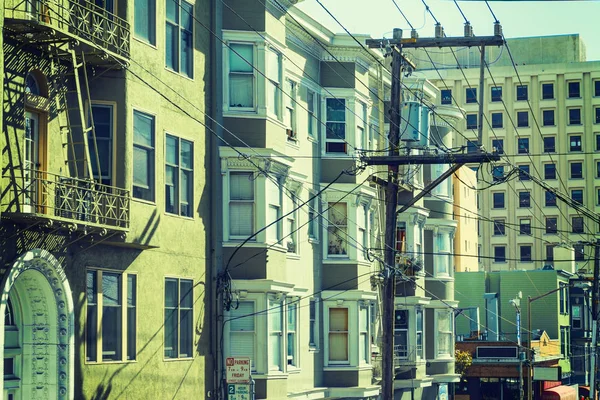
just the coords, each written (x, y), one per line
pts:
(518, 18)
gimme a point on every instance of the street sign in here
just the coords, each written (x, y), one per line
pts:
(547, 373)
(238, 392)
(238, 370)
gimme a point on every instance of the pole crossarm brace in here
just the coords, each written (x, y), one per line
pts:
(430, 187)
(431, 159)
(438, 42)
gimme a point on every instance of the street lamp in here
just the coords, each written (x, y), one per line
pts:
(517, 303)
(579, 284)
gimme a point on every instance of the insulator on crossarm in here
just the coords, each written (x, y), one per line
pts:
(414, 34)
(497, 29)
(468, 29)
(397, 35)
(439, 30)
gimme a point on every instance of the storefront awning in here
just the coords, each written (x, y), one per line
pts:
(560, 393)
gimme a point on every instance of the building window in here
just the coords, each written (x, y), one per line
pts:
(103, 129)
(498, 201)
(547, 91)
(338, 336)
(292, 334)
(523, 145)
(241, 204)
(579, 252)
(576, 170)
(273, 75)
(522, 119)
(525, 226)
(145, 20)
(524, 172)
(364, 340)
(401, 334)
(336, 126)
(550, 252)
(472, 147)
(179, 37)
(574, 116)
(598, 140)
(576, 316)
(289, 117)
(550, 199)
(549, 144)
(179, 176)
(498, 145)
(361, 125)
(313, 324)
(311, 100)
(497, 121)
(575, 143)
(275, 322)
(521, 92)
(597, 113)
(443, 256)
(577, 195)
(242, 331)
(577, 224)
(143, 156)
(574, 90)
(564, 342)
(551, 225)
(274, 211)
(472, 121)
(179, 318)
(597, 88)
(107, 315)
(499, 253)
(337, 230)
(548, 118)
(524, 199)
(550, 171)
(313, 215)
(496, 92)
(241, 76)
(445, 334)
(291, 232)
(471, 95)
(446, 96)
(597, 169)
(362, 238)
(525, 253)
(419, 318)
(499, 227)
(597, 196)
(498, 173)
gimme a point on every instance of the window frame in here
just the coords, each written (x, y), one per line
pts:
(543, 91)
(295, 356)
(524, 172)
(446, 97)
(346, 332)
(546, 146)
(125, 339)
(251, 74)
(469, 121)
(178, 25)
(343, 140)
(550, 170)
(572, 118)
(525, 202)
(449, 332)
(499, 227)
(313, 324)
(179, 309)
(551, 225)
(470, 95)
(311, 109)
(573, 175)
(499, 258)
(112, 124)
(494, 200)
(522, 92)
(150, 5)
(574, 145)
(180, 171)
(549, 117)
(575, 193)
(498, 144)
(337, 227)
(290, 117)
(495, 94)
(497, 123)
(577, 224)
(571, 92)
(523, 145)
(523, 255)
(151, 168)
(249, 174)
(522, 123)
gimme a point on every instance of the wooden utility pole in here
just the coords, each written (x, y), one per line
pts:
(393, 160)
(391, 199)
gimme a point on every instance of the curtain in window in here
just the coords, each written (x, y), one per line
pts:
(241, 206)
(241, 343)
(241, 75)
(337, 229)
(338, 334)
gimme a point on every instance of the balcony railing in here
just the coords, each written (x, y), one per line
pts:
(50, 196)
(81, 19)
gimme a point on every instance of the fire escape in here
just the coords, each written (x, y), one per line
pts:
(74, 36)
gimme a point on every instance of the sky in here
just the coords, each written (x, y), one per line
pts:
(518, 18)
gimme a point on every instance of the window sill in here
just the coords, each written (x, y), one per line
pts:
(144, 42)
(180, 74)
(110, 362)
(271, 375)
(293, 256)
(294, 144)
(444, 359)
(314, 350)
(168, 214)
(293, 370)
(142, 201)
(343, 367)
(178, 359)
(313, 241)
(312, 139)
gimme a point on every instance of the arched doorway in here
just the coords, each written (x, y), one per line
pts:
(37, 339)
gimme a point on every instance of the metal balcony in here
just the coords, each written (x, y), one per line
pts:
(53, 21)
(40, 196)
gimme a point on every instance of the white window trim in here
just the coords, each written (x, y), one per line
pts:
(226, 213)
(316, 328)
(450, 354)
(227, 70)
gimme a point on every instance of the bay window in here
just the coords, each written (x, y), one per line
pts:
(337, 229)
(419, 318)
(442, 256)
(364, 340)
(361, 238)
(311, 99)
(275, 334)
(445, 334)
(292, 334)
(289, 117)
(273, 74)
(401, 334)
(291, 225)
(361, 126)
(274, 199)
(335, 138)
(242, 331)
(338, 336)
(313, 324)
(241, 204)
(241, 76)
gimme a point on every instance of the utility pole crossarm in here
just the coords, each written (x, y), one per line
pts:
(418, 43)
(432, 159)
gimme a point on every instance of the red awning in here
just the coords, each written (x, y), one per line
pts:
(560, 393)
